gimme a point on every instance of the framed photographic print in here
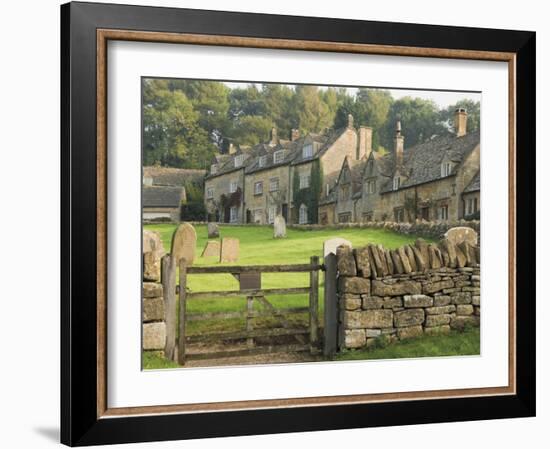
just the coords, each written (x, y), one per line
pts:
(277, 224)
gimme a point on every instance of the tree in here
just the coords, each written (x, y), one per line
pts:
(311, 112)
(171, 133)
(420, 121)
(251, 129)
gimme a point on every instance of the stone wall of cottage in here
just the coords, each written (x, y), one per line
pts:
(154, 326)
(407, 292)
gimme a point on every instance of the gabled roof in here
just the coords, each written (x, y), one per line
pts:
(227, 163)
(422, 163)
(169, 176)
(474, 185)
(162, 196)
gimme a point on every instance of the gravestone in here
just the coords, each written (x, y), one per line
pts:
(230, 250)
(461, 234)
(212, 248)
(152, 243)
(184, 243)
(279, 227)
(329, 246)
(213, 231)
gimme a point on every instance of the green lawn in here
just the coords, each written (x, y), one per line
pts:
(258, 247)
(456, 343)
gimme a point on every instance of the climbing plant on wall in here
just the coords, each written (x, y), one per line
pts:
(309, 195)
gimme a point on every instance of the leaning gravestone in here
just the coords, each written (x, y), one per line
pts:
(212, 248)
(213, 231)
(279, 227)
(152, 243)
(462, 234)
(184, 243)
(229, 250)
(329, 246)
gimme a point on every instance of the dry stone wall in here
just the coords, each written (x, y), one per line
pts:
(422, 228)
(154, 326)
(406, 292)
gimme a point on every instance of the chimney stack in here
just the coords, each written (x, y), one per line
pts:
(232, 148)
(364, 148)
(461, 120)
(399, 143)
(274, 139)
(350, 121)
(294, 134)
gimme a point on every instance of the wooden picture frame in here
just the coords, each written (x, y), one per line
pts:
(86, 29)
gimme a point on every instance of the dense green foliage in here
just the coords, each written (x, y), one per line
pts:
(309, 196)
(185, 122)
(193, 209)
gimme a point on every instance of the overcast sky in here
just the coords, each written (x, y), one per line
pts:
(441, 98)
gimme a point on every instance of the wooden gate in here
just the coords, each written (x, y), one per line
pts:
(306, 337)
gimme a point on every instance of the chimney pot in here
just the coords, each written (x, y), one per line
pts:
(399, 143)
(461, 121)
(232, 149)
(364, 148)
(350, 121)
(274, 138)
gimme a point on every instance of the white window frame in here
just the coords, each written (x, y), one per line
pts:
(302, 214)
(213, 169)
(446, 169)
(258, 188)
(233, 186)
(271, 211)
(443, 213)
(233, 214)
(307, 151)
(210, 193)
(274, 185)
(396, 182)
(370, 187)
(304, 181)
(238, 160)
(262, 161)
(278, 156)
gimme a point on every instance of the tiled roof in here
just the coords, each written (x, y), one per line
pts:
(474, 185)
(169, 176)
(422, 163)
(162, 196)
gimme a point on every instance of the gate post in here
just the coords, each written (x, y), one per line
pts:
(169, 292)
(314, 302)
(331, 307)
(183, 310)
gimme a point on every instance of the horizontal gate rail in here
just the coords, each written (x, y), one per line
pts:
(254, 314)
(277, 332)
(249, 292)
(295, 268)
(246, 352)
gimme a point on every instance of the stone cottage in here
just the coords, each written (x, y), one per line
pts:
(253, 185)
(164, 193)
(437, 180)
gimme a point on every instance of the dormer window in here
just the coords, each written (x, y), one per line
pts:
(396, 183)
(239, 159)
(307, 151)
(446, 168)
(262, 162)
(278, 156)
(214, 169)
(370, 187)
